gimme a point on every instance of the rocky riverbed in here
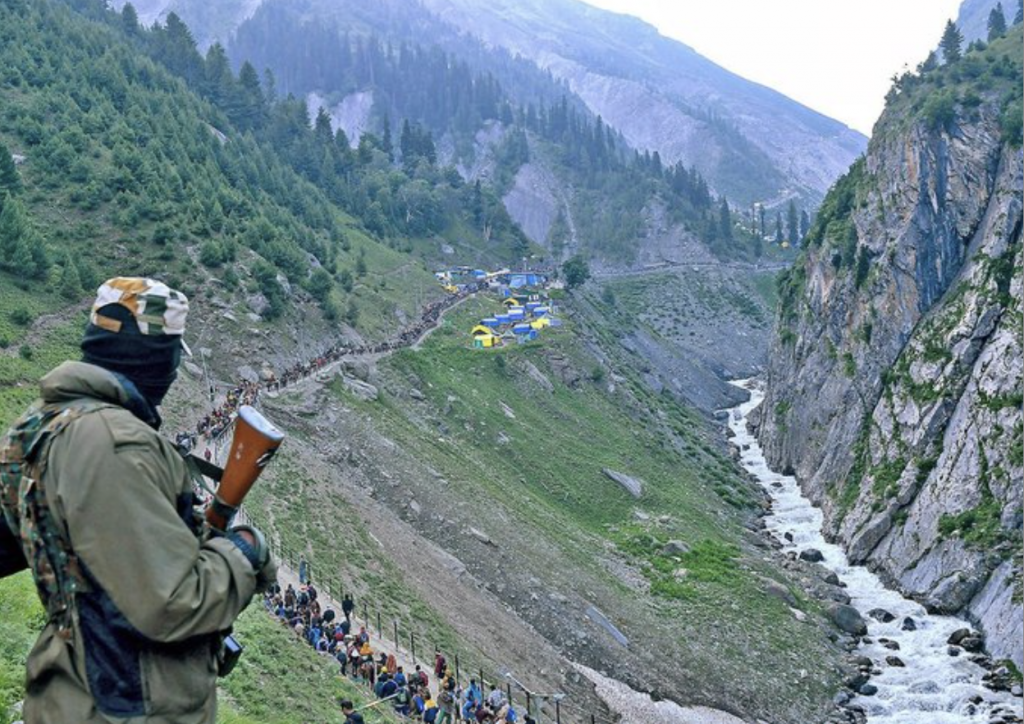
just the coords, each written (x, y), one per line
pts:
(912, 667)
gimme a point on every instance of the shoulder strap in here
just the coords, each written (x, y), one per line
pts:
(26, 508)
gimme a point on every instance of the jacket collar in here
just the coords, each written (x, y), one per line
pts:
(74, 380)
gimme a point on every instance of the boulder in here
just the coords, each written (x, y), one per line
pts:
(880, 614)
(973, 644)
(777, 590)
(811, 555)
(674, 548)
(909, 624)
(848, 619)
(362, 390)
(248, 374)
(633, 486)
(890, 644)
(894, 661)
(957, 636)
(416, 394)
(868, 690)
(830, 577)
(192, 369)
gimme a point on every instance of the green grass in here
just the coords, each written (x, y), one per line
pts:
(21, 619)
(546, 479)
(281, 680)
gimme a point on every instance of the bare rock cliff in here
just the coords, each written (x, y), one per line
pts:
(894, 387)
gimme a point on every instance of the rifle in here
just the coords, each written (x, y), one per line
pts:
(253, 445)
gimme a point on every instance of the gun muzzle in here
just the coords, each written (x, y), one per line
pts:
(254, 443)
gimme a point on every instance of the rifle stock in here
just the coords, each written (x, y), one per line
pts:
(253, 445)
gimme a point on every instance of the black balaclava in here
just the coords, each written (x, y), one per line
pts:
(148, 361)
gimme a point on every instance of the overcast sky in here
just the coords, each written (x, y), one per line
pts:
(836, 56)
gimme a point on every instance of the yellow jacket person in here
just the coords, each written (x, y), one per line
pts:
(137, 599)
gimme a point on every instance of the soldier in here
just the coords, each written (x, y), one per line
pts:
(138, 596)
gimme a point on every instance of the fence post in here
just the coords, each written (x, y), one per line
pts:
(456, 669)
(412, 645)
(529, 708)
(558, 712)
(396, 635)
(380, 631)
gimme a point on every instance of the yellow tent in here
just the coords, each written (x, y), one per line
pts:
(480, 330)
(510, 302)
(540, 323)
(485, 341)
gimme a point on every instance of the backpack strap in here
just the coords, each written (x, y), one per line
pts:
(26, 508)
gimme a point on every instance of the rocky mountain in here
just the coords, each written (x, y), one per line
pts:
(972, 19)
(895, 381)
(749, 141)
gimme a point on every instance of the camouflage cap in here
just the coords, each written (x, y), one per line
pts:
(157, 309)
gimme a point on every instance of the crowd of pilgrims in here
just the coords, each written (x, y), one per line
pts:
(409, 693)
(247, 392)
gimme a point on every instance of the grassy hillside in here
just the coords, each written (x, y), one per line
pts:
(512, 443)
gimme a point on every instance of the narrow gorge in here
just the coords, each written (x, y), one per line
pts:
(894, 384)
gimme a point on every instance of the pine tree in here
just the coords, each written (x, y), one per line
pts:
(805, 224)
(792, 224)
(779, 236)
(725, 221)
(996, 22)
(1018, 18)
(951, 41)
(129, 19)
(13, 228)
(70, 284)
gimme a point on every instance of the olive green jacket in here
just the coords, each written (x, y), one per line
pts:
(144, 637)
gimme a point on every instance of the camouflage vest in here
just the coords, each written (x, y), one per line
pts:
(23, 454)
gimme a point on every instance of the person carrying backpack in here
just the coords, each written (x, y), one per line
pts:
(138, 595)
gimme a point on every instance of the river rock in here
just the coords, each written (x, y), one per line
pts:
(889, 644)
(855, 681)
(811, 555)
(953, 650)
(973, 644)
(880, 614)
(830, 577)
(909, 624)
(894, 661)
(1017, 690)
(957, 636)
(868, 690)
(848, 619)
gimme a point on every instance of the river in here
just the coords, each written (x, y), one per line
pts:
(933, 687)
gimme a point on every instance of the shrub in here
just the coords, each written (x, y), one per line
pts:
(21, 316)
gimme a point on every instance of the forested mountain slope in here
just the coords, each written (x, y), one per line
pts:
(895, 383)
(751, 143)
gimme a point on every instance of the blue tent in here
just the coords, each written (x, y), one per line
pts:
(491, 322)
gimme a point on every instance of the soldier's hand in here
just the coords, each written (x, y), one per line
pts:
(254, 545)
(266, 576)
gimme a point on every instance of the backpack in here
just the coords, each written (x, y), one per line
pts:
(43, 544)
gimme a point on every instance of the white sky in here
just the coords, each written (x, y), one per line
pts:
(835, 56)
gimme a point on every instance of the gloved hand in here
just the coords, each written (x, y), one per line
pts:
(253, 545)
